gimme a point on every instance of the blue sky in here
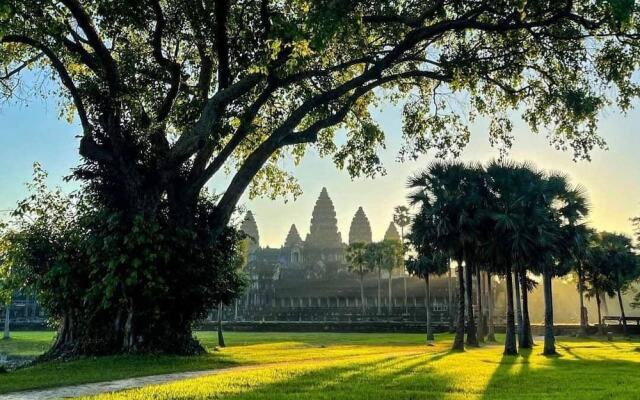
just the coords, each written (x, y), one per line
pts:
(32, 131)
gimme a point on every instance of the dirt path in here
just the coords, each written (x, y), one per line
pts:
(88, 389)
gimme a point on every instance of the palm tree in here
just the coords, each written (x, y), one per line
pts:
(567, 207)
(624, 266)
(507, 216)
(357, 262)
(442, 193)
(392, 258)
(402, 218)
(597, 276)
(491, 331)
(374, 255)
(428, 263)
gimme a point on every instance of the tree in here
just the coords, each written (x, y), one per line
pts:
(168, 93)
(508, 214)
(429, 260)
(441, 193)
(597, 276)
(391, 257)
(374, 254)
(58, 244)
(623, 265)
(567, 209)
(402, 218)
(356, 256)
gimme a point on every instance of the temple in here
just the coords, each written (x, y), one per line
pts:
(309, 279)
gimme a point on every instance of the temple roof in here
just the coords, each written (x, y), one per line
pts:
(250, 228)
(323, 232)
(293, 237)
(360, 230)
(392, 233)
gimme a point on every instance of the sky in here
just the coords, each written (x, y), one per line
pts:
(32, 131)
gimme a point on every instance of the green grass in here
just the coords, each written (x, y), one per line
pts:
(285, 366)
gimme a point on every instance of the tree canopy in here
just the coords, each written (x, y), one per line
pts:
(170, 91)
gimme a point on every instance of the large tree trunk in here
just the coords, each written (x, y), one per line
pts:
(472, 338)
(510, 347)
(491, 334)
(220, 333)
(7, 321)
(427, 301)
(362, 305)
(516, 274)
(527, 337)
(600, 329)
(450, 300)
(480, 310)
(549, 337)
(622, 315)
(583, 321)
(458, 341)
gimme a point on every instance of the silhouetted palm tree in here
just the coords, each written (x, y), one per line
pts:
(402, 218)
(439, 191)
(429, 260)
(624, 265)
(568, 207)
(357, 262)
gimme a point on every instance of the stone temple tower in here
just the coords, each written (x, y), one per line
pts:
(293, 246)
(250, 228)
(392, 233)
(323, 233)
(293, 237)
(360, 230)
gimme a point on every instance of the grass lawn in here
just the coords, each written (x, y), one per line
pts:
(358, 366)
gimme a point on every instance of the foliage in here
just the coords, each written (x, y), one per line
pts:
(101, 278)
(250, 84)
(356, 257)
(172, 94)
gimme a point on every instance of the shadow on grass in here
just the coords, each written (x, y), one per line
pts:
(530, 375)
(401, 377)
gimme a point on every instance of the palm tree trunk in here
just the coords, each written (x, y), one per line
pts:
(379, 291)
(450, 301)
(480, 315)
(472, 338)
(390, 305)
(600, 330)
(7, 321)
(549, 338)
(427, 295)
(518, 299)
(220, 334)
(510, 347)
(527, 337)
(404, 280)
(491, 336)
(458, 341)
(235, 312)
(364, 311)
(583, 322)
(622, 315)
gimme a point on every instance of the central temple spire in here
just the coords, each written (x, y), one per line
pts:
(323, 232)
(360, 230)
